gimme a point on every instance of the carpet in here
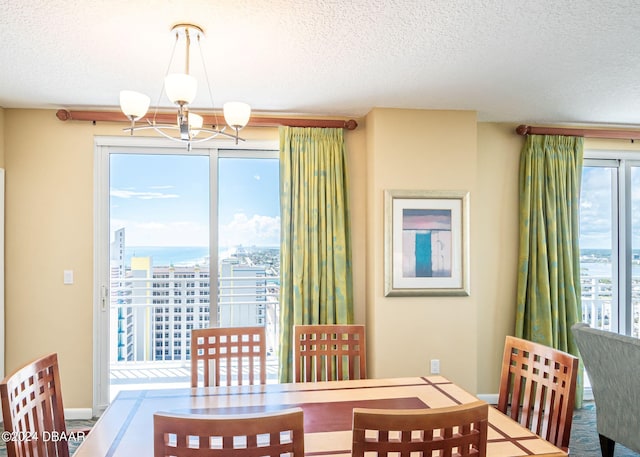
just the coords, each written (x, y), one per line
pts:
(584, 436)
(72, 425)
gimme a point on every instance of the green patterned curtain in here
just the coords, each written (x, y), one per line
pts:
(548, 300)
(315, 253)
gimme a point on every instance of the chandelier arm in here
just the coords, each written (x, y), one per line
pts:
(159, 128)
(202, 140)
(152, 126)
(215, 133)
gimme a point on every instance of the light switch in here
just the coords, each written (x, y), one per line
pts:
(68, 276)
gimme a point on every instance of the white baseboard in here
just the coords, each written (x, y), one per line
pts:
(78, 413)
(492, 399)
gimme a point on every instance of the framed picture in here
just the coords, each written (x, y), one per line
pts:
(426, 243)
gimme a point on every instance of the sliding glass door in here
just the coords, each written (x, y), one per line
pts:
(184, 240)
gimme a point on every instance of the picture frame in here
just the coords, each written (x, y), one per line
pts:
(426, 243)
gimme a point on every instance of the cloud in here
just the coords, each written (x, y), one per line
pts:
(248, 231)
(257, 177)
(162, 187)
(126, 193)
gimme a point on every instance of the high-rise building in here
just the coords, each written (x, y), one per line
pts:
(155, 307)
(180, 303)
(242, 293)
(121, 313)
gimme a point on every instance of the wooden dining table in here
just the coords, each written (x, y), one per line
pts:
(125, 429)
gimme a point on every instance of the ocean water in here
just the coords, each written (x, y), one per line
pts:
(601, 269)
(597, 262)
(163, 256)
(199, 255)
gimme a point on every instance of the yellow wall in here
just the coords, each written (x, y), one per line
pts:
(445, 150)
(495, 237)
(49, 228)
(423, 150)
(1, 137)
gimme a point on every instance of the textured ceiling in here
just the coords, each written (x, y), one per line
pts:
(517, 61)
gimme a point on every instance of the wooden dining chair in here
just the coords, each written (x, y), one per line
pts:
(329, 352)
(32, 410)
(269, 434)
(228, 356)
(538, 388)
(459, 430)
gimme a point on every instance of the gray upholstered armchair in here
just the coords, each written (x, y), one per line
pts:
(612, 362)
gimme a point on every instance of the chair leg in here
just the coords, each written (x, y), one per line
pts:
(607, 446)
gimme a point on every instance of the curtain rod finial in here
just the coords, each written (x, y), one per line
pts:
(523, 129)
(63, 115)
(350, 124)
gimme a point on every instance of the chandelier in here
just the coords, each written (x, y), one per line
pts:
(181, 89)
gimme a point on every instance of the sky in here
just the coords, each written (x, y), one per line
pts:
(163, 200)
(596, 206)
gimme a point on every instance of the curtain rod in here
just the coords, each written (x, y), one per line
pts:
(116, 116)
(585, 133)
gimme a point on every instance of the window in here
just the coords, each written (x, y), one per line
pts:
(610, 241)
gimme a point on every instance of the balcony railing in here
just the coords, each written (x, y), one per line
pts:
(597, 294)
(597, 300)
(152, 318)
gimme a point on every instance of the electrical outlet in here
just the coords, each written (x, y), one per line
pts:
(435, 366)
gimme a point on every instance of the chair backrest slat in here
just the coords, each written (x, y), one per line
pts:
(219, 352)
(455, 430)
(32, 406)
(329, 352)
(538, 388)
(250, 435)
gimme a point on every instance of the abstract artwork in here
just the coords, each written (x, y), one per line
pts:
(426, 243)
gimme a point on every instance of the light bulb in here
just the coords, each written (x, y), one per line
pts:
(180, 88)
(134, 104)
(236, 114)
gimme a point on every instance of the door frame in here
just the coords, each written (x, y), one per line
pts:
(104, 146)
